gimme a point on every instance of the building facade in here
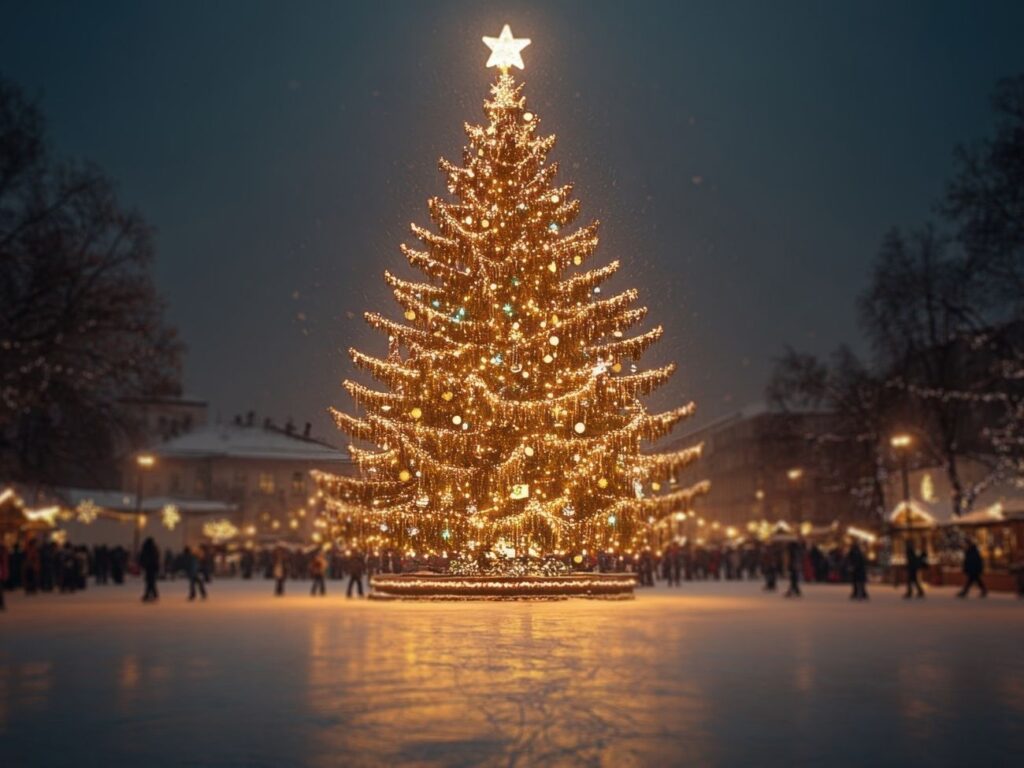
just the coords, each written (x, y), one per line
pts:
(261, 472)
(761, 467)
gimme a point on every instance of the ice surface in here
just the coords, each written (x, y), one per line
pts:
(711, 674)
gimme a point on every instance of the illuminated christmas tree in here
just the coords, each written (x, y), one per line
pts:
(512, 416)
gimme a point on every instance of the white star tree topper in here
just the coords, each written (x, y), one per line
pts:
(506, 51)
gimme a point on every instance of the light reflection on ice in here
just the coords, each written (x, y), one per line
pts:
(715, 674)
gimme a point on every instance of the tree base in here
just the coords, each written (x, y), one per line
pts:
(431, 586)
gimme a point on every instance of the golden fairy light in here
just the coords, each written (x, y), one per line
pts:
(170, 516)
(220, 530)
(511, 392)
(86, 512)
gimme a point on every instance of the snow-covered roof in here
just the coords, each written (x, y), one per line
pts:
(920, 515)
(124, 501)
(238, 441)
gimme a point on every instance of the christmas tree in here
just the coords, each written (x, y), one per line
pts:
(512, 417)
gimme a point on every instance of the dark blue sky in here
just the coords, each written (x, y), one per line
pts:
(281, 149)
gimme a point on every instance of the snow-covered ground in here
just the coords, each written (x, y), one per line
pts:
(710, 674)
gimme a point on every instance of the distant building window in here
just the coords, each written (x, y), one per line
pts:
(266, 482)
(239, 479)
(298, 482)
(199, 486)
(175, 482)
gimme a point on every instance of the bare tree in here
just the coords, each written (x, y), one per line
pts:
(81, 323)
(850, 449)
(920, 313)
(985, 202)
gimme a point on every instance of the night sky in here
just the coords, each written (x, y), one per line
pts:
(745, 159)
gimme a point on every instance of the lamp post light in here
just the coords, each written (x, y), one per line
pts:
(143, 463)
(901, 445)
(795, 475)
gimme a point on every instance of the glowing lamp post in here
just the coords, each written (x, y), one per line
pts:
(795, 475)
(143, 462)
(901, 444)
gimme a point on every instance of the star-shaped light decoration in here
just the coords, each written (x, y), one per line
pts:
(170, 516)
(506, 51)
(87, 512)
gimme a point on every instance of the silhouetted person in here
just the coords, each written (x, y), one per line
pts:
(770, 567)
(48, 572)
(973, 567)
(356, 566)
(646, 568)
(100, 564)
(30, 567)
(914, 562)
(149, 562)
(675, 573)
(858, 572)
(795, 556)
(118, 556)
(4, 573)
(317, 569)
(68, 569)
(1017, 569)
(169, 564)
(191, 565)
(247, 564)
(280, 572)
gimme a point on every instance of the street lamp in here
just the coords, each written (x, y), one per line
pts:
(795, 475)
(901, 444)
(144, 462)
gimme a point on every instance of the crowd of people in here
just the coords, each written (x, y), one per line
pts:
(51, 567)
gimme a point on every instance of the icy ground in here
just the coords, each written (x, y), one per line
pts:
(710, 674)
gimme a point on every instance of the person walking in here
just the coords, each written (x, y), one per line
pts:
(317, 569)
(795, 562)
(858, 572)
(356, 566)
(914, 562)
(280, 572)
(190, 563)
(974, 565)
(149, 561)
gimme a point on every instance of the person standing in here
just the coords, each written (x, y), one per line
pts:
(317, 569)
(914, 561)
(4, 573)
(769, 567)
(795, 561)
(1017, 569)
(191, 566)
(149, 561)
(30, 567)
(356, 566)
(974, 565)
(676, 566)
(858, 572)
(280, 572)
(169, 569)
